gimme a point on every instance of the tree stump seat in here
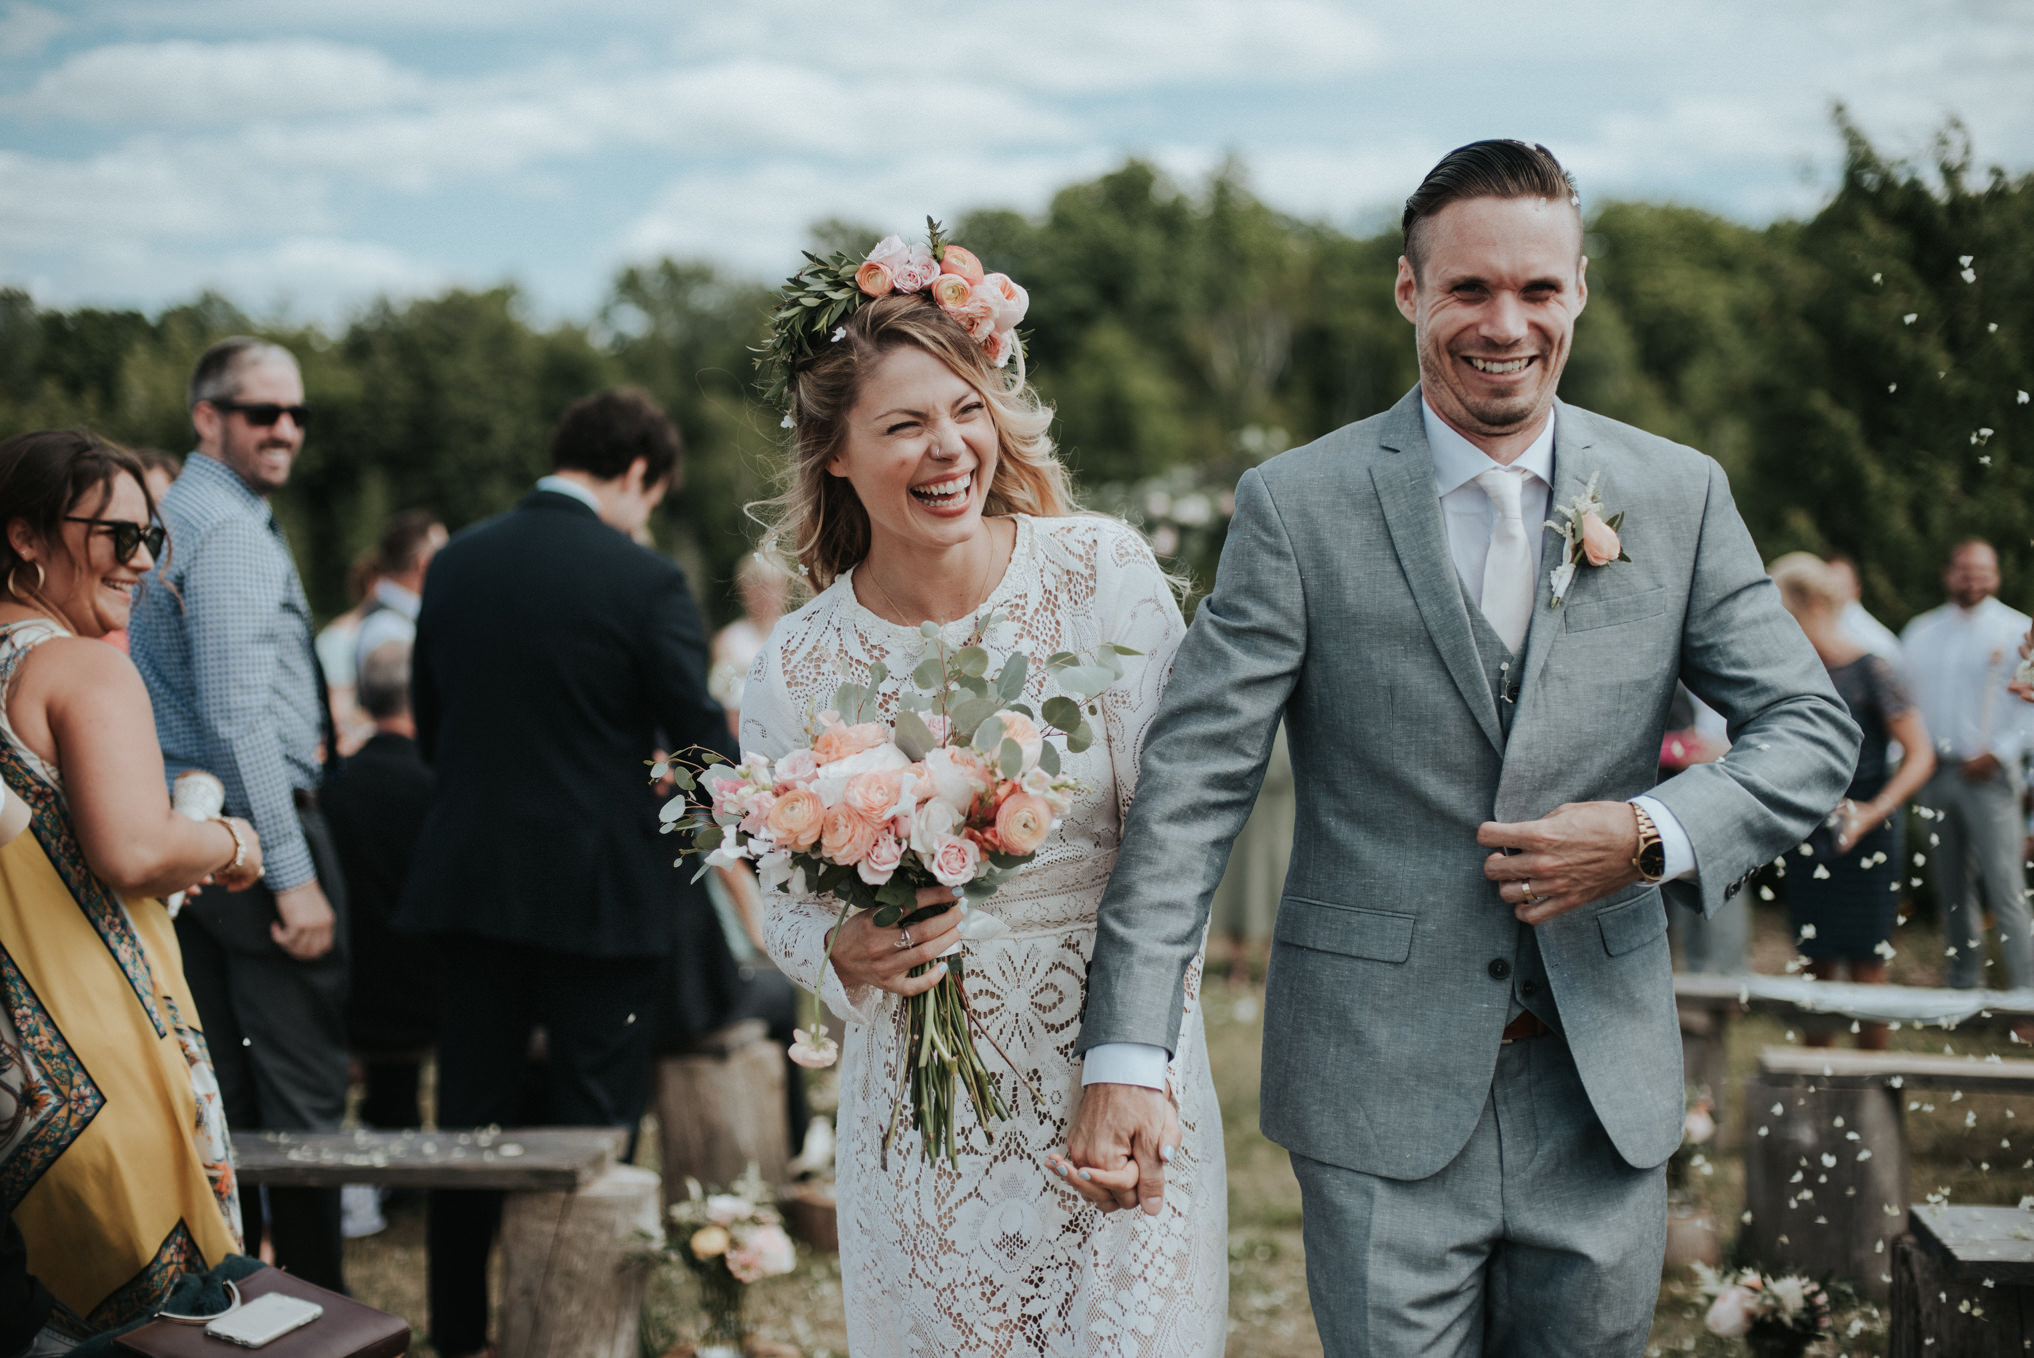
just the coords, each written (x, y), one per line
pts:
(573, 1226)
(1826, 1153)
(720, 1109)
(1963, 1283)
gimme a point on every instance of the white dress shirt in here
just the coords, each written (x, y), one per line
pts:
(1469, 519)
(1867, 631)
(565, 485)
(395, 620)
(1958, 661)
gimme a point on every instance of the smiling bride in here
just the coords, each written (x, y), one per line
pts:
(922, 488)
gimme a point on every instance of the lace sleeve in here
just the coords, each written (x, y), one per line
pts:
(795, 926)
(1136, 608)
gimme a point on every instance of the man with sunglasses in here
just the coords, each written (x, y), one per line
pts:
(226, 653)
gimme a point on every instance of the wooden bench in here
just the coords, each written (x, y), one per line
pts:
(720, 1109)
(1963, 1283)
(1708, 1004)
(573, 1225)
(1826, 1153)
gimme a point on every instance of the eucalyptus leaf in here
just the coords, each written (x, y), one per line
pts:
(682, 779)
(1063, 713)
(1080, 738)
(1059, 660)
(1010, 683)
(708, 838)
(929, 673)
(1120, 649)
(974, 684)
(898, 891)
(910, 701)
(974, 661)
(878, 672)
(712, 757)
(847, 700)
(1048, 758)
(1086, 681)
(704, 868)
(1011, 760)
(914, 738)
(968, 716)
(989, 735)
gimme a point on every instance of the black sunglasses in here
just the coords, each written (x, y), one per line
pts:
(127, 536)
(265, 413)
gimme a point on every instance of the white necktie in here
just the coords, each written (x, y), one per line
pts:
(1508, 569)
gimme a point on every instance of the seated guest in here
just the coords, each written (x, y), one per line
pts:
(1844, 893)
(115, 1152)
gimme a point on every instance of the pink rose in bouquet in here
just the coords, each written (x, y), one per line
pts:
(955, 860)
(880, 863)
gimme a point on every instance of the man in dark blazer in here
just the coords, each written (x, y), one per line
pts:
(553, 657)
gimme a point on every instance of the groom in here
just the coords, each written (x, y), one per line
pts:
(1470, 1041)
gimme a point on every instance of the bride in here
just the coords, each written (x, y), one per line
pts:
(923, 487)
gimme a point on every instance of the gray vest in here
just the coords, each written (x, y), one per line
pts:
(1529, 988)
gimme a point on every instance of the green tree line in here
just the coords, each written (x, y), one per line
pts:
(1861, 374)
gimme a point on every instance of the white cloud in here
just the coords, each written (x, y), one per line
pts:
(194, 84)
(317, 276)
(26, 29)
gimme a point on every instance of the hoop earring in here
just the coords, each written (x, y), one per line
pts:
(12, 582)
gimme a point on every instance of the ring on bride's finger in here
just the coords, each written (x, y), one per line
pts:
(1527, 884)
(903, 939)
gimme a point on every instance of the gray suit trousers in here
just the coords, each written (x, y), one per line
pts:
(1538, 1206)
(1982, 839)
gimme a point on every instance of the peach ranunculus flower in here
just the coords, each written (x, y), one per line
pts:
(961, 263)
(796, 819)
(1022, 823)
(874, 796)
(955, 860)
(879, 864)
(875, 280)
(1599, 541)
(846, 834)
(1012, 301)
(951, 291)
(838, 742)
(999, 346)
(1023, 730)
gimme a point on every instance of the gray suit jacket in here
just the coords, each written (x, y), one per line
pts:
(1337, 608)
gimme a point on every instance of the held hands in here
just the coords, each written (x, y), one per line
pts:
(1575, 854)
(1121, 1139)
(305, 929)
(865, 955)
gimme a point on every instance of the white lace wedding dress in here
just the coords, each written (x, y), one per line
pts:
(992, 1258)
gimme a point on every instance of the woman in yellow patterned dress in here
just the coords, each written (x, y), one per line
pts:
(113, 1153)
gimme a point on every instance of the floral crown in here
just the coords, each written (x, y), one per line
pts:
(815, 302)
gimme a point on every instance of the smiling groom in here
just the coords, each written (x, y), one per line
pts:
(1470, 1047)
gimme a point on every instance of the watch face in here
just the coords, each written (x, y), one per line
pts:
(1653, 860)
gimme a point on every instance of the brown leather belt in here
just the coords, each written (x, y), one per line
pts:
(1526, 1025)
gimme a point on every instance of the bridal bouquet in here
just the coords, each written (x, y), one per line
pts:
(960, 790)
(1773, 1315)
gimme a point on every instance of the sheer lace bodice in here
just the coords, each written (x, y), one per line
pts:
(990, 1258)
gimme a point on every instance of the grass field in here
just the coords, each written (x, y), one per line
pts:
(1975, 1149)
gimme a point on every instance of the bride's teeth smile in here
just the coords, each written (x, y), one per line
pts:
(948, 494)
(1498, 367)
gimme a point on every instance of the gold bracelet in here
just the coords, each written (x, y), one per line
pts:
(239, 845)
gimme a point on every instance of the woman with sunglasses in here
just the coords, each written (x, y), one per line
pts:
(112, 1145)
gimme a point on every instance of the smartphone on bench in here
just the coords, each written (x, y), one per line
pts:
(264, 1320)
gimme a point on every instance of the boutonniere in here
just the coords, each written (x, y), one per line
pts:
(1589, 534)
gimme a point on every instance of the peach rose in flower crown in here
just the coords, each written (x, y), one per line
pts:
(796, 819)
(951, 291)
(838, 742)
(1022, 823)
(955, 860)
(846, 835)
(962, 264)
(1012, 301)
(1599, 541)
(999, 346)
(880, 863)
(875, 280)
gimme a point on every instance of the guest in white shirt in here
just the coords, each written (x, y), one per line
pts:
(1959, 659)
(409, 542)
(1854, 622)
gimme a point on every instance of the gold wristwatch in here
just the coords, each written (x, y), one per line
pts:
(1651, 860)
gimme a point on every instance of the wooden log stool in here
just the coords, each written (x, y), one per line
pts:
(1826, 1154)
(574, 1256)
(720, 1108)
(1963, 1284)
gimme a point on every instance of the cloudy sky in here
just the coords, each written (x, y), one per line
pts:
(304, 156)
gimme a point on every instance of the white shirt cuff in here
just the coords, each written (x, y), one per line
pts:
(1125, 1063)
(1680, 850)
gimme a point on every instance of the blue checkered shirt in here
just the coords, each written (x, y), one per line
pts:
(229, 668)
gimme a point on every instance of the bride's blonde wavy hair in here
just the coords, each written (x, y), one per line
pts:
(817, 519)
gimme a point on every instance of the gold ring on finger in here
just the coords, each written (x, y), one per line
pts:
(1527, 884)
(903, 939)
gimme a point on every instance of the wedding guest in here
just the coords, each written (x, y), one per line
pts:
(225, 648)
(402, 559)
(158, 471)
(336, 645)
(1719, 943)
(1857, 624)
(1843, 895)
(120, 1181)
(1959, 659)
(764, 587)
(553, 654)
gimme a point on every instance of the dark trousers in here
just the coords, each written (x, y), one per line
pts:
(277, 1034)
(595, 1014)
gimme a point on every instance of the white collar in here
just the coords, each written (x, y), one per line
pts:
(1457, 461)
(563, 485)
(396, 597)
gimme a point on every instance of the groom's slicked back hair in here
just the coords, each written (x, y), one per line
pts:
(1485, 169)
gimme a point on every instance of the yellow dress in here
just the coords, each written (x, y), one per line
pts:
(114, 1156)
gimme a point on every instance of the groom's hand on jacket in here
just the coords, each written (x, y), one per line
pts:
(1118, 1145)
(1575, 854)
